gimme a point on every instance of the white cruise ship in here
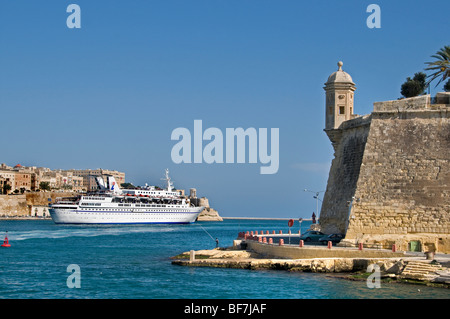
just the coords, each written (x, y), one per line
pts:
(112, 205)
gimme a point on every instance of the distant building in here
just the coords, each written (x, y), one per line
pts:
(23, 181)
(23, 178)
(39, 211)
(17, 178)
(8, 177)
(89, 175)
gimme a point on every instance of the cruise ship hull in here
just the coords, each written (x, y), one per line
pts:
(148, 216)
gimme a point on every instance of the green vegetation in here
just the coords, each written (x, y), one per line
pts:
(415, 86)
(447, 86)
(6, 188)
(127, 186)
(440, 71)
(44, 186)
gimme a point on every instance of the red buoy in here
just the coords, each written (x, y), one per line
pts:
(6, 242)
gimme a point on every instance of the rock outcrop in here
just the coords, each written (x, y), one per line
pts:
(208, 214)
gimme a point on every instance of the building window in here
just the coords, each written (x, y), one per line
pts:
(341, 110)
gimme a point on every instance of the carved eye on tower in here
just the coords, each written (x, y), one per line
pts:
(341, 97)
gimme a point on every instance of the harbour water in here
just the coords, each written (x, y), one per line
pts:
(133, 262)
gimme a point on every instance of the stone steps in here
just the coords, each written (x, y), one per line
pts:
(421, 270)
(444, 276)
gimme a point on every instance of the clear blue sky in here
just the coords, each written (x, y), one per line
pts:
(109, 95)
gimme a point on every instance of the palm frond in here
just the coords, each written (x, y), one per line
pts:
(441, 66)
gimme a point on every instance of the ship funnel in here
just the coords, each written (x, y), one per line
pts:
(113, 186)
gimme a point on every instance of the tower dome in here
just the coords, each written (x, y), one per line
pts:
(340, 76)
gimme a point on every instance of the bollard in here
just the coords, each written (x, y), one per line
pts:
(360, 246)
(264, 240)
(256, 232)
(273, 232)
(302, 243)
(251, 233)
(270, 241)
(192, 256)
(267, 232)
(281, 232)
(394, 248)
(247, 233)
(260, 240)
(281, 242)
(329, 244)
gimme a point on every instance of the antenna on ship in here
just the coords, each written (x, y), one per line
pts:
(168, 181)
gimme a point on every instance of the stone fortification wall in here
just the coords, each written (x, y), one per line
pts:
(41, 198)
(389, 182)
(20, 205)
(13, 205)
(349, 142)
(403, 189)
(208, 214)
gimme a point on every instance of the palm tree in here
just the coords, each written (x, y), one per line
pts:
(440, 67)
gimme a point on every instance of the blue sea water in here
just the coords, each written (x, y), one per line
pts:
(133, 262)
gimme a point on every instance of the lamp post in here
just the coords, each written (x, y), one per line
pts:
(316, 196)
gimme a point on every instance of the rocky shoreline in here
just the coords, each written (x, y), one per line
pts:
(391, 269)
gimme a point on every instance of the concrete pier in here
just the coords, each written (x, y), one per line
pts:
(266, 250)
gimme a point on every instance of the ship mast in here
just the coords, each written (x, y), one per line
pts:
(168, 181)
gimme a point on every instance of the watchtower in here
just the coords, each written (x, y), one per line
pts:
(339, 98)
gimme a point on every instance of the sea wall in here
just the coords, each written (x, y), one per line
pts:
(293, 252)
(251, 260)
